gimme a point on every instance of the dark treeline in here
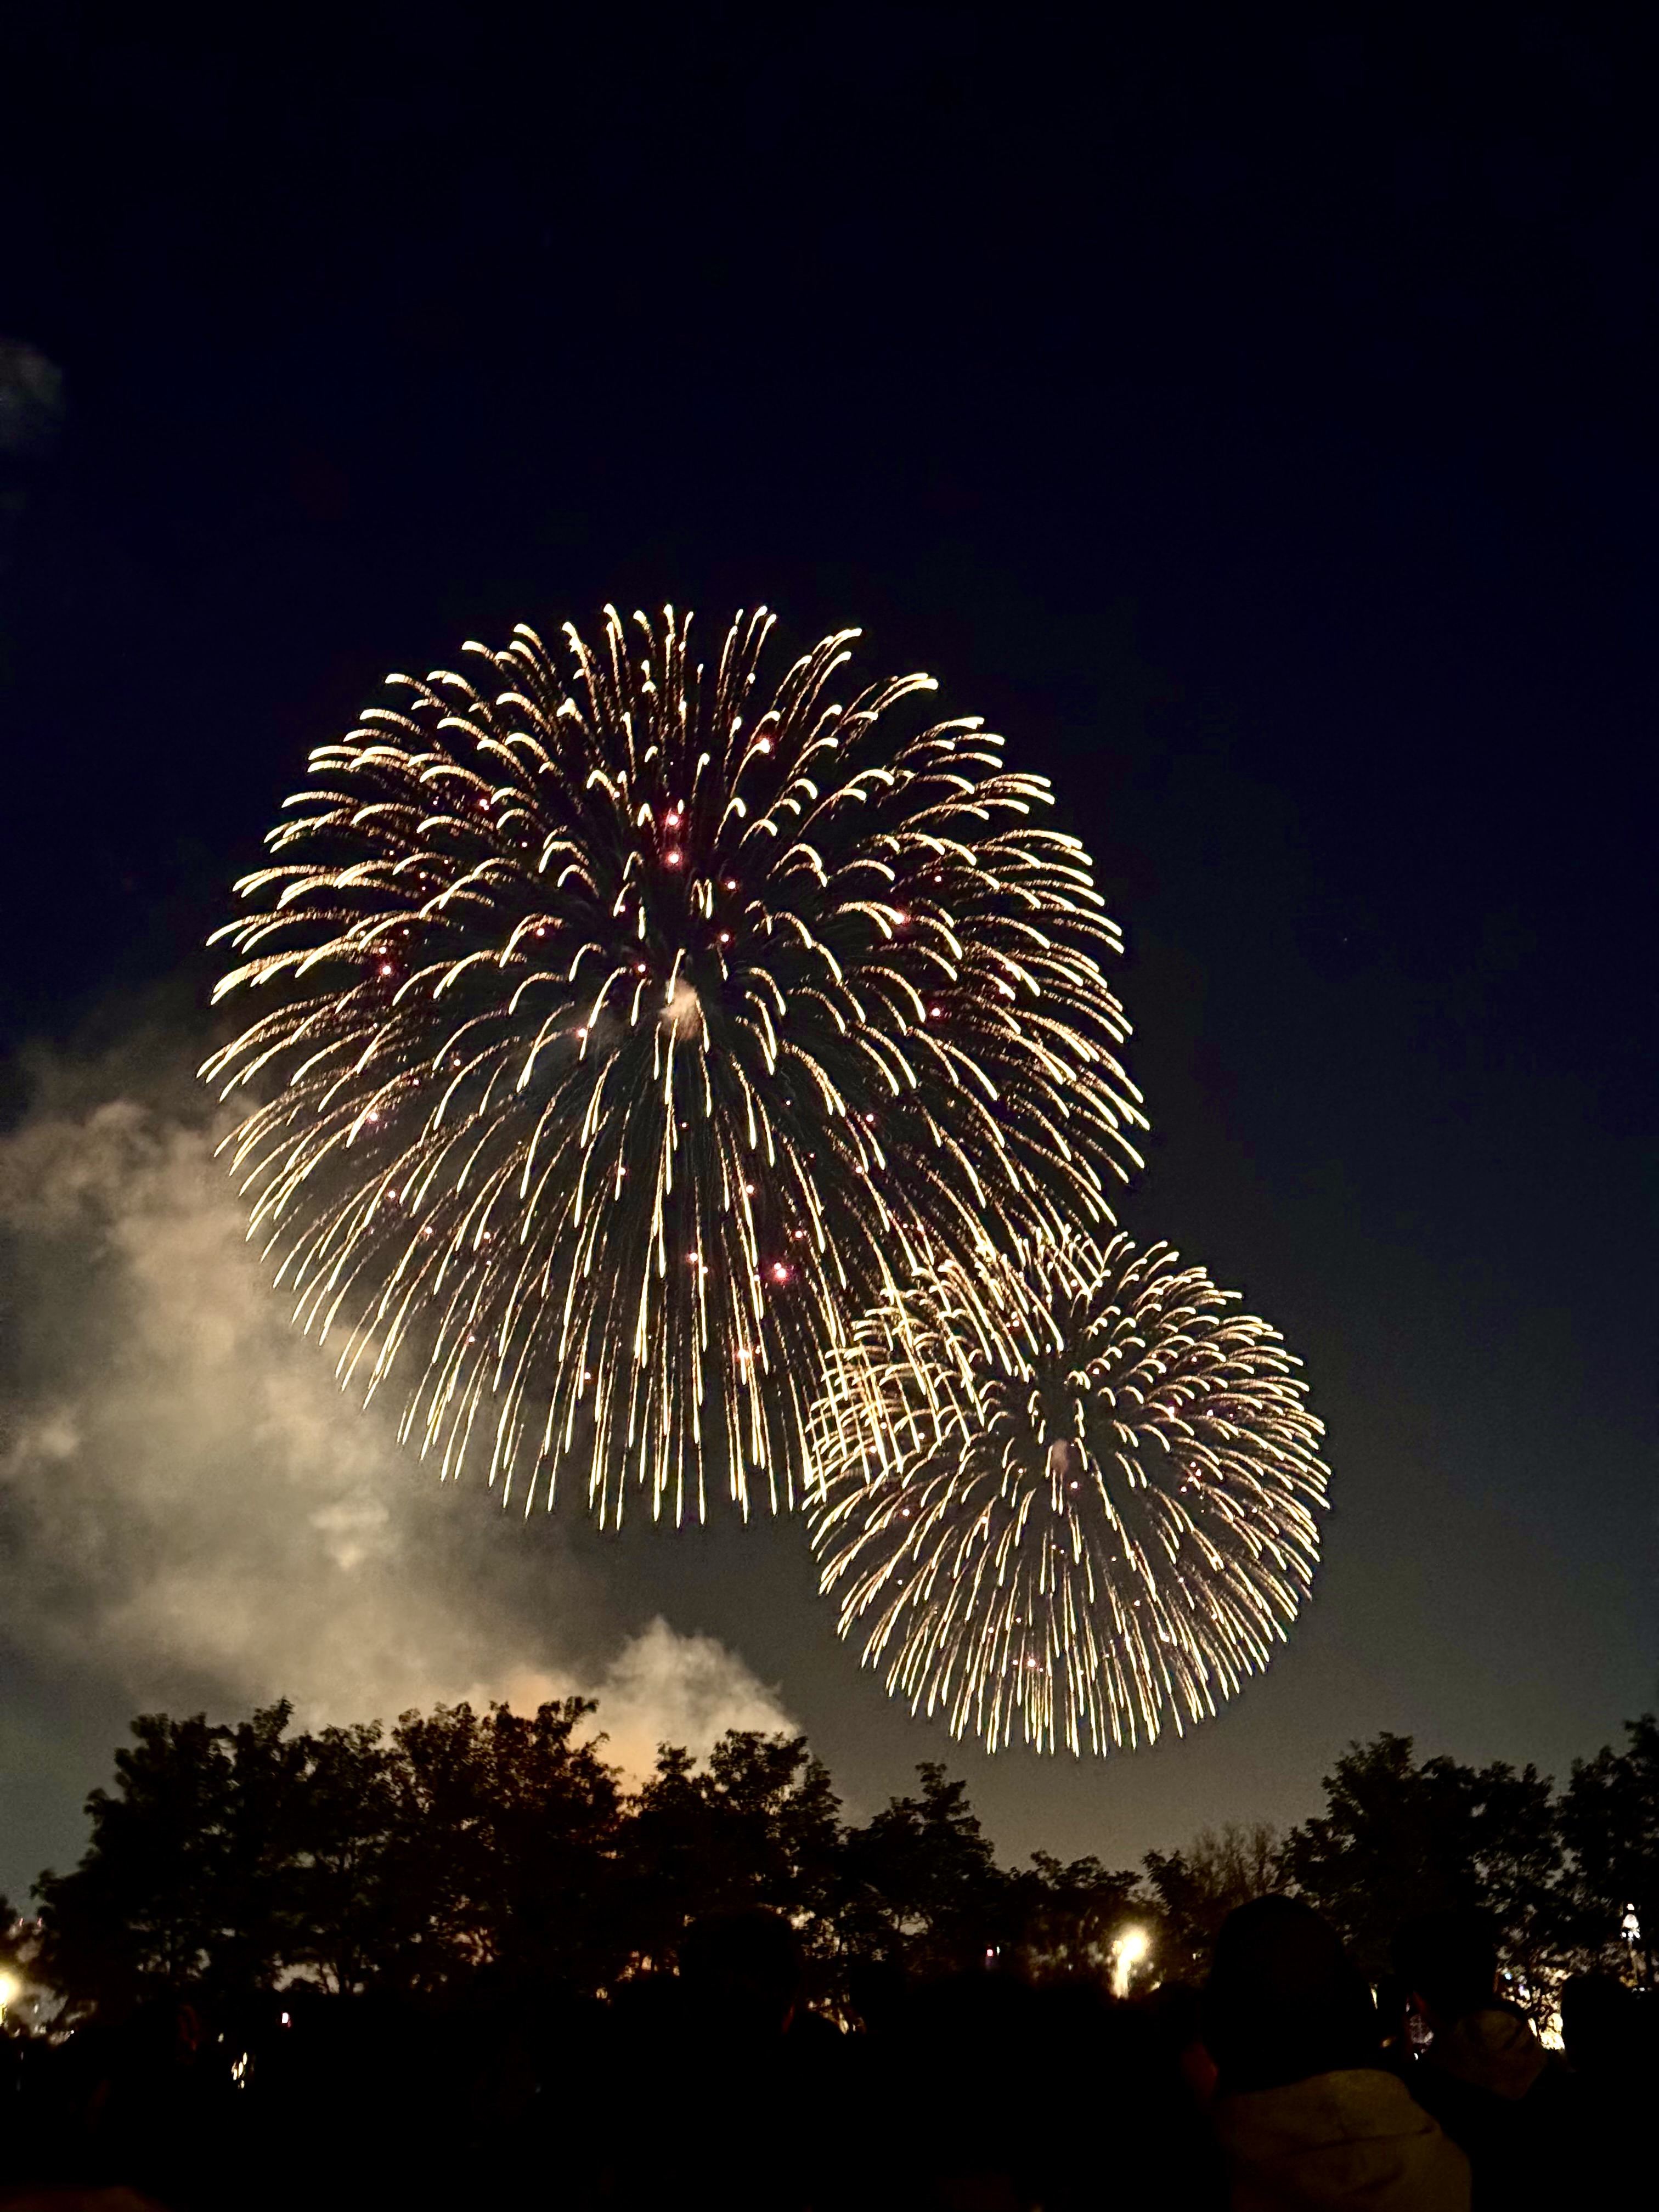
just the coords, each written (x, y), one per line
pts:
(460, 1960)
(460, 1844)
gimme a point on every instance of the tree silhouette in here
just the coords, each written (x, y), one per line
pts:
(185, 1881)
(346, 1890)
(1398, 1837)
(920, 1881)
(499, 1843)
(464, 1852)
(1198, 1887)
(1071, 1915)
(1610, 1822)
(756, 1826)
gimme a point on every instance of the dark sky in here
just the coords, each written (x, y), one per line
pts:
(1256, 423)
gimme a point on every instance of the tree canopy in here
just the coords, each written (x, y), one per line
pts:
(460, 1848)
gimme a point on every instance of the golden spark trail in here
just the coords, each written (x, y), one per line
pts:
(629, 1028)
(1072, 1498)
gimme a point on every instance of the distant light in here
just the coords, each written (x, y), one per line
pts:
(672, 858)
(780, 1272)
(1130, 1948)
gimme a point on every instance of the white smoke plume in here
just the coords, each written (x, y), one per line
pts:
(191, 1514)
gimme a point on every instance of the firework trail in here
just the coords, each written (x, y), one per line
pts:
(1073, 1500)
(635, 1026)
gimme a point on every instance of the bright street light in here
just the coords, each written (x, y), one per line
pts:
(1128, 1951)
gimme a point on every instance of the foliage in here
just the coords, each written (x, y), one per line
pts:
(461, 1846)
(501, 1836)
(230, 1857)
(184, 1882)
(920, 1879)
(757, 1827)
(1610, 1823)
(1400, 1838)
(1070, 1915)
(1198, 1887)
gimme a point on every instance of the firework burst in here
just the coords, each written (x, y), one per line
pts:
(635, 1026)
(1073, 1501)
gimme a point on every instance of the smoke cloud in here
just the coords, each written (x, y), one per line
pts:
(190, 1513)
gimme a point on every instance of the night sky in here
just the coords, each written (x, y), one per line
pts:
(1255, 425)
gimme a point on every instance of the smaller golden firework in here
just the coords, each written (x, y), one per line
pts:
(1072, 1500)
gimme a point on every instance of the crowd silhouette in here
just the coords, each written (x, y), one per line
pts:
(913, 2027)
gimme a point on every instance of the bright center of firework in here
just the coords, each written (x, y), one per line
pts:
(1065, 1461)
(683, 1012)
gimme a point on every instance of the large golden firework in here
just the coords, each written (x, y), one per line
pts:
(1070, 1500)
(635, 1027)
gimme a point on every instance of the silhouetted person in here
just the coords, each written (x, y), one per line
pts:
(1610, 2058)
(877, 1989)
(1602, 2027)
(960, 2136)
(742, 1972)
(156, 2114)
(1305, 2111)
(729, 2070)
(1140, 2073)
(1485, 2075)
